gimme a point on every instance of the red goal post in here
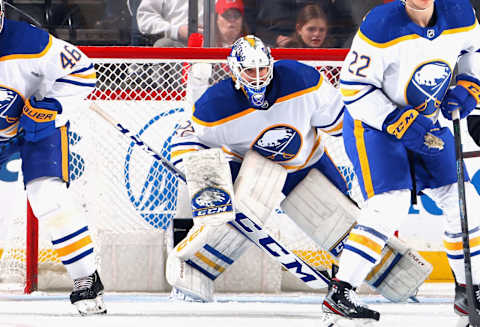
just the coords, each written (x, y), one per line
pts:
(127, 198)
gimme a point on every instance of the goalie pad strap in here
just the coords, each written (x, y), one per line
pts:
(258, 187)
(211, 249)
(209, 183)
(322, 211)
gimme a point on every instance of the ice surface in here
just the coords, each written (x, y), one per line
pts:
(248, 310)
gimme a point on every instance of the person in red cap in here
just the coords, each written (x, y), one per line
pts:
(230, 22)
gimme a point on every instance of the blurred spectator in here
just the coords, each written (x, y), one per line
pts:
(136, 38)
(358, 11)
(230, 22)
(275, 25)
(167, 20)
(311, 29)
(115, 16)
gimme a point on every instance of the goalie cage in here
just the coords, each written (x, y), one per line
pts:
(128, 198)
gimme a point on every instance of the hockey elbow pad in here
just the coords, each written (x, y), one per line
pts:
(465, 97)
(38, 118)
(414, 130)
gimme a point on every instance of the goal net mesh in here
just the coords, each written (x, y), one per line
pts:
(129, 198)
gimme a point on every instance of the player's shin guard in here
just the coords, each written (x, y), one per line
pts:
(447, 199)
(71, 240)
(66, 226)
(195, 263)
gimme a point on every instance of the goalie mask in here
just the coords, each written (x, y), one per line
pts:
(251, 64)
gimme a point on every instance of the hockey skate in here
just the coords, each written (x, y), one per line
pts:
(87, 295)
(342, 301)
(460, 305)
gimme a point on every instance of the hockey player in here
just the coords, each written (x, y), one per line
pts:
(42, 79)
(394, 82)
(274, 110)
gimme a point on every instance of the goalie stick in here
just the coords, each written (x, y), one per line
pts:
(473, 316)
(242, 223)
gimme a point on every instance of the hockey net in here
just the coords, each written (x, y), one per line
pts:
(128, 197)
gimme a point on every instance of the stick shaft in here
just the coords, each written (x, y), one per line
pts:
(473, 316)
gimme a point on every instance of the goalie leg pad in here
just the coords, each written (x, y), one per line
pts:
(258, 187)
(400, 272)
(321, 211)
(206, 252)
(210, 186)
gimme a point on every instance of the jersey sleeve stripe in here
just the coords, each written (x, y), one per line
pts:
(180, 152)
(340, 114)
(85, 76)
(360, 96)
(189, 143)
(30, 56)
(389, 43)
(224, 120)
(64, 80)
(301, 92)
(84, 69)
(230, 153)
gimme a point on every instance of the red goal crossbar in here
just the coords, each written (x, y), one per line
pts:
(140, 53)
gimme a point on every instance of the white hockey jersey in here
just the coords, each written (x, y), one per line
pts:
(34, 63)
(394, 62)
(300, 101)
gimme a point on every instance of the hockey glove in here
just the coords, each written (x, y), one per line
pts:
(465, 96)
(38, 118)
(414, 130)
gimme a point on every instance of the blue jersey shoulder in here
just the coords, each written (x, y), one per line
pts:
(20, 38)
(456, 13)
(390, 21)
(222, 100)
(290, 76)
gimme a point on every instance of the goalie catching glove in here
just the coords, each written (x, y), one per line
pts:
(415, 131)
(38, 118)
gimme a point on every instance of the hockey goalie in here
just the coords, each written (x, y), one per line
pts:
(253, 145)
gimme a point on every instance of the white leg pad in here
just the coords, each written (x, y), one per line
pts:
(322, 211)
(258, 187)
(400, 272)
(209, 182)
(193, 285)
(206, 252)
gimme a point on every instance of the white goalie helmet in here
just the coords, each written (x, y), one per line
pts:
(251, 64)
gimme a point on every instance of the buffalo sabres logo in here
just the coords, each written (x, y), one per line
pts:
(278, 143)
(428, 85)
(11, 105)
(211, 200)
